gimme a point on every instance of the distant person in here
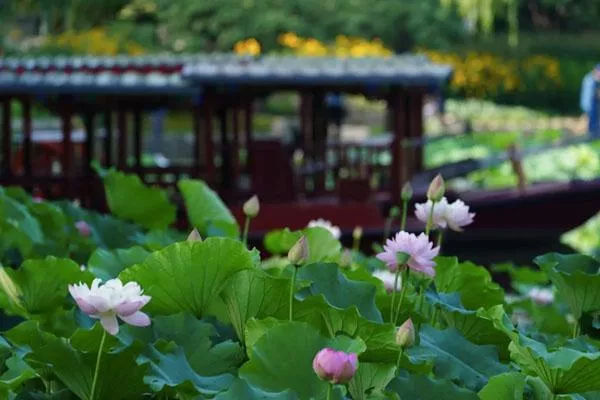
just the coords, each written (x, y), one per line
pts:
(589, 101)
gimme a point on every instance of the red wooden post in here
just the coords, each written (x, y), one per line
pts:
(26, 105)
(319, 131)
(248, 109)
(88, 121)
(108, 143)
(207, 117)
(397, 108)
(226, 181)
(137, 137)
(198, 145)
(235, 145)
(122, 139)
(6, 137)
(416, 129)
(67, 128)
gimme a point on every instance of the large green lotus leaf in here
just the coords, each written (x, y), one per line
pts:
(13, 370)
(18, 228)
(53, 222)
(171, 369)
(281, 241)
(565, 370)
(522, 275)
(506, 386)
(255, 294)
(275, 370)
(472, 282)
(371, 380)
(331, 321)
(31, 394)
(158, 238)
(546, 318)
(420, 387)
(107, 231)
(119, 378)
(475, 329)
(456, 358)
(240, 389)
(255, 328)
(189, 276)
(206, 211)
(107, 264)
(339, 291)
(323, 247)
(129, 198)
(39, 286)
(577, 279)
(205, 352)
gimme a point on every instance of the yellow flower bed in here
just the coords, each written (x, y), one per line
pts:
(95, 41)
(485, 74)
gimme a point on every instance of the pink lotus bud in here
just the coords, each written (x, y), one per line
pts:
(83, 228)
(194, 236)
(335, 366)
(252, 207)
(37, 199)
(299, 253)
(436, 189)
(346, 259)
(357, 233)
(405, 335)
(407, 192)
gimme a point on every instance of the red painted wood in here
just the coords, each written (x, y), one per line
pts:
(122, 139)
(235, 145)
(108, 138)
(248, 114)
(198, 145)
(6, 137)
(88, 121)
(397, 107)
(137, 138)
(276, 184)
(415, 126)
(207, 117)
(26, 107)
(67, 148)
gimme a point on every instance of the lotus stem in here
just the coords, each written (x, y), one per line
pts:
(399, 358)
(440, 238)
(576, 329)
(429, 220)
(292, 287)
(329, 391)
(97, 370)
(386, 228)
(246, 228)
(405, 274)
(404, 212)
(392, 308)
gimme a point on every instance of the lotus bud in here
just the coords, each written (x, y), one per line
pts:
(83, 228)
(436, 189)
(357, 233)
(194, 236)
(252, 207)
(335, 366)
(346, 259)
(299, 252)
(407, 192)
(405, 335)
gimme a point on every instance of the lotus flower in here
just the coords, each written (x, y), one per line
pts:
(335, 366)
(388, 279)
(112, 300)
(422, 211)
(445, 215)
(252, 207)
(83, 228)
(321, 223)
(419, 248)
(405, 334)
(541, 296)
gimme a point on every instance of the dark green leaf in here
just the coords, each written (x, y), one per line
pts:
(425, 388)
(507, 386)
(108, 264)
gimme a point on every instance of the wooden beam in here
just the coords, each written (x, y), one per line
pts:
(6, 137)
(26, 106)
(122, 139)
(108, 138)
(90, 136)
(137, 137)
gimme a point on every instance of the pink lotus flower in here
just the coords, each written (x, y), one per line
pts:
(83, 228)
(445, 215)
(335, 366)
(388, 280)
(422, 211)
(112, 300)
(541, 296)
(405, 334)
(419, 249)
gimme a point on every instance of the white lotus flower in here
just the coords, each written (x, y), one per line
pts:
(445, 215)
(388, 278)
(541, 296)
(112, 300)
(321, 223)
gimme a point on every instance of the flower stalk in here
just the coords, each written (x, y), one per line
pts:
(97, 370)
